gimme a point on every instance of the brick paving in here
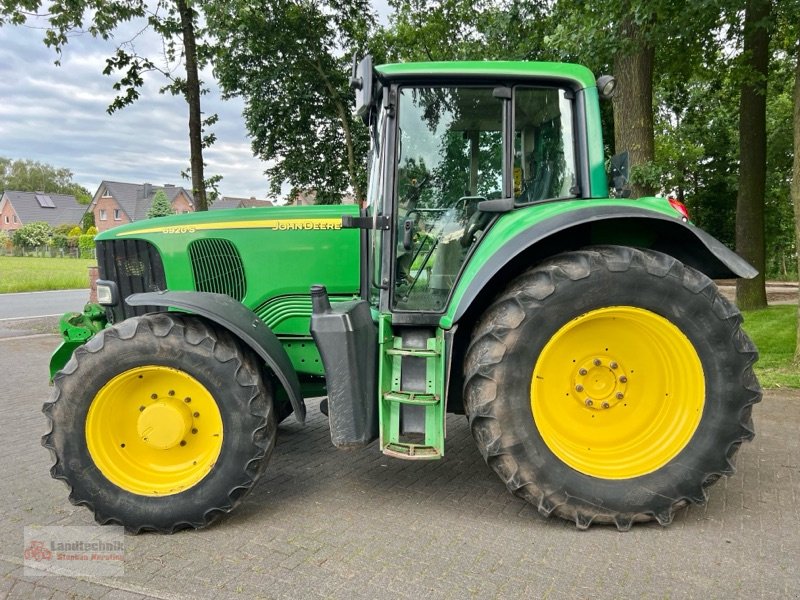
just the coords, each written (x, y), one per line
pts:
(324, 523)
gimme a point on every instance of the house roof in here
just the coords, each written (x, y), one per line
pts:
(136, 198)
(53, 209)
(231, 202)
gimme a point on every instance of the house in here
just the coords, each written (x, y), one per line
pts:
(20, 208)
(116, 203)
(229, 202)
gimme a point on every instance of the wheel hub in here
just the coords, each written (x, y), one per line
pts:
(599, 382)
(164, 424)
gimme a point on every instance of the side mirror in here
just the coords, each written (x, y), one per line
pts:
(620, 167)
(361, 82)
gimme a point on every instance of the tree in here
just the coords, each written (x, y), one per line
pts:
(176, 21)
(161, 206)
(751, 293)
(290, 61)
(32, 235)
(24, 175)
(796, 184)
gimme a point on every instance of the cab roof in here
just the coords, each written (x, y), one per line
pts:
(578, 74)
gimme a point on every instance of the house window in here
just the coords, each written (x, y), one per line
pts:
(15, 218)
(106, 193)
(6, 219)
(117, 216)
(103, 216)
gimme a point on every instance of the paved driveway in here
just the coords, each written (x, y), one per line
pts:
(331, 524)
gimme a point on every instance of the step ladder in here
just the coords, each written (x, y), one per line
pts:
(411, 411)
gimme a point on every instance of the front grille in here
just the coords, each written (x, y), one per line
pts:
(135, 266)
(217, 267)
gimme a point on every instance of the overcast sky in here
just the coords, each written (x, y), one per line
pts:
(57, 115)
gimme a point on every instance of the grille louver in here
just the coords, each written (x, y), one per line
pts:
(135, 265)
(217, 267)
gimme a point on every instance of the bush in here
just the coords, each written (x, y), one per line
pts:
(86, 245)
(64, 229)
(60, 241)
(33, 235)
(92, 230)
(5, 240)
(74, 232)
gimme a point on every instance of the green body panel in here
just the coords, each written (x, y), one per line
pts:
(598, 181)
(284, 251)
(515, 222)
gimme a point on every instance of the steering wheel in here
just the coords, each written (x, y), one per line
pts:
(477, 221)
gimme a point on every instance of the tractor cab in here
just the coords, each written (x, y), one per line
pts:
(452, 149)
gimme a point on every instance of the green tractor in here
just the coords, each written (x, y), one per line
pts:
(486, 273)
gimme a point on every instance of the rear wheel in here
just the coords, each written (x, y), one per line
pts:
(610, 385)
(161, 423)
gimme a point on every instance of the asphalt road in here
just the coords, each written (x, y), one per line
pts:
(324, 523)
(41, 304)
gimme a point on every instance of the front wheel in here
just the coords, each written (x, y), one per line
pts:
(610, 385)
(161, 423)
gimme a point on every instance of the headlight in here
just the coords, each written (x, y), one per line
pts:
(107, 293)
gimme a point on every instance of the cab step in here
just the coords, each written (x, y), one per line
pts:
(411, 411)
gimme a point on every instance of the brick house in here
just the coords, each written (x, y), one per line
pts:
(20, 208)
(229, 202)
(117, 203)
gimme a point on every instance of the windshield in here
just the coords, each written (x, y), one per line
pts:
(450, 157)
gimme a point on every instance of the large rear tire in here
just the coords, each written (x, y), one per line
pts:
(610, 385)
(160, 423)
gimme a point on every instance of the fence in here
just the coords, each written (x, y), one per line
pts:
(47, 252)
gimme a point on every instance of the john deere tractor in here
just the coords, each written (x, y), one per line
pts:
(487, 272)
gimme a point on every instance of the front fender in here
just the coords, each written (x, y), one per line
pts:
(241, 322)
(523, 236)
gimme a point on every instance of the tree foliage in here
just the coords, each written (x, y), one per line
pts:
(25, 175)
(161, 206)
(289, 60)
(178, 24)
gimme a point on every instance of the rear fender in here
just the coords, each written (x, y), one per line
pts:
(597, 225)
(241, 322)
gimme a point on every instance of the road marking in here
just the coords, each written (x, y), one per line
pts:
(32, 317)
(45, 292)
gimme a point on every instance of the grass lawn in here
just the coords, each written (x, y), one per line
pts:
(33, 274)
(774, 330)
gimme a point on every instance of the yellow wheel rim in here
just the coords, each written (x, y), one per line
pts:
(154, 431)
(617, 392)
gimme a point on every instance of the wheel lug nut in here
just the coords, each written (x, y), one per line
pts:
(613, 365)
(153, 396)
(187, 399)
(197, 414)
(183, 442)
(596, 362)
(623, 379)
(194, 430)
(620, 395)
(605, 405)
(171, 392)
(589, 402)
(141, 408)
(583, 371)
(578, 388)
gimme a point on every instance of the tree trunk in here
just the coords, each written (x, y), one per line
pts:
(633, 103)
(750, 243)
(796, 188)
(192, 93)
